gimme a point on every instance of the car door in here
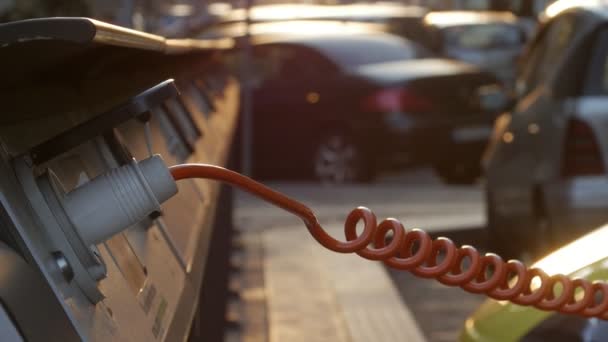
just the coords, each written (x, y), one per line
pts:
(287, 105)
(592, 105)
(521, 161)
(541, 112)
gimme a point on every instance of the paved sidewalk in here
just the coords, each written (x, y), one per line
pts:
(295, 290)
(317, 295)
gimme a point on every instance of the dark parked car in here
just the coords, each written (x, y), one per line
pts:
(343, 104)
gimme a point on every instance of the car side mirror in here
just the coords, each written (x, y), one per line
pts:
(494, 99)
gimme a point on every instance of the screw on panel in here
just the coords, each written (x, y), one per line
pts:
(64, 265)
(99, 271)
(29, 159)
(155, 214)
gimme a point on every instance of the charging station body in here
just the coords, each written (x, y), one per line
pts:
(126, 96)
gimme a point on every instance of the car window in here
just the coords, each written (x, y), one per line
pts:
(288, 62)
(546, 53)
(481, 37)
(597, 72)
(476, 5)
(410, 28)
(354, 51)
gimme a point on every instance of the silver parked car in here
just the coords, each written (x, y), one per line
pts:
(547, 161)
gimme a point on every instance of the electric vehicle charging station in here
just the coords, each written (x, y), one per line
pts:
(90, 250)
(84, 103)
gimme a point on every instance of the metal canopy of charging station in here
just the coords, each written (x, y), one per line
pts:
(70, 69)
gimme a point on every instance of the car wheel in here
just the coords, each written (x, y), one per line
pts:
(498, 243)
(458, 173)
(542, 239)
(338, 159)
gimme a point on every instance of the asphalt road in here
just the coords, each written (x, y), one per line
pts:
(419, 200)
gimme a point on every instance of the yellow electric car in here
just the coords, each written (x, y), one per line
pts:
(586, 258)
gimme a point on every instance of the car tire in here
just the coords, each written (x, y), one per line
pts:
(505, 246)
(542, 240)
(458, 173)
(338, 159)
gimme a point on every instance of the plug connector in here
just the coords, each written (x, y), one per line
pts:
(118, 199)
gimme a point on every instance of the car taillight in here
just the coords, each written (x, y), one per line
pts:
(396, 100)
(582, 154)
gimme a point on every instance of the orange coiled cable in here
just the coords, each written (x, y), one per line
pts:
(417, 252)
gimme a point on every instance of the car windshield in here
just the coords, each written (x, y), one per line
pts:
(354, 51)
(484, 36)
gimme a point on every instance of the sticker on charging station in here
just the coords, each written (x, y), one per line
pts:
(158, 329)
(146, 297)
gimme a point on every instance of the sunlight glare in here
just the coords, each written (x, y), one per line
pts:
(576, 255)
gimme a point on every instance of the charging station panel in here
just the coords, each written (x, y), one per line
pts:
(142, 284)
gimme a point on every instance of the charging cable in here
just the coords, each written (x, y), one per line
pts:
(122, 197)
(415, 251)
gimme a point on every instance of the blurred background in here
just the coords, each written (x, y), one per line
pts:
(166, 16)
(479, 120)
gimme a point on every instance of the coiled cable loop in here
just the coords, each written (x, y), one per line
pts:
(415, 251)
